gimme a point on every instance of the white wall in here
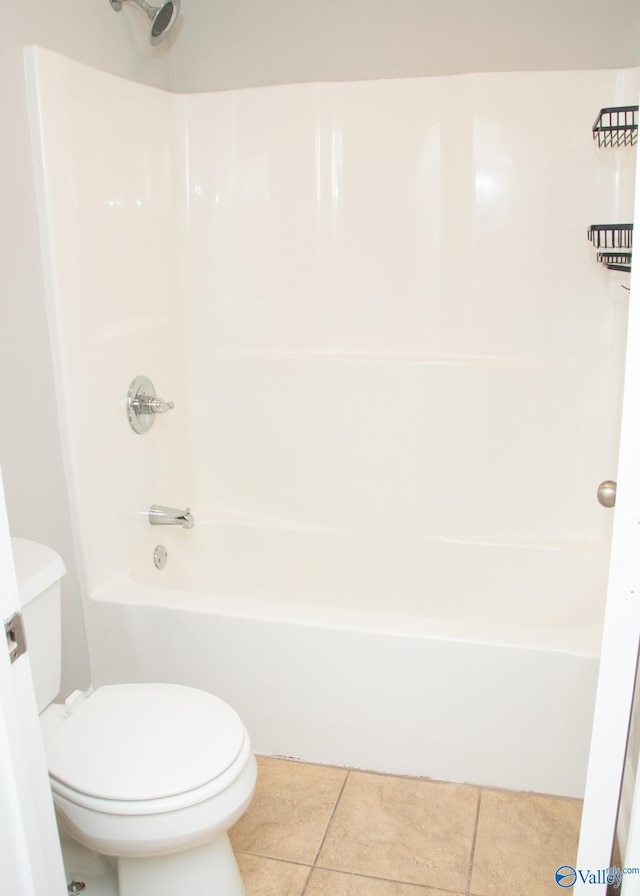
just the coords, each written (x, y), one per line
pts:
(30, 452)
(244, 43)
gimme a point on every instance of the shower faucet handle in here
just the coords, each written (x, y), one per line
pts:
(143, 404)
(156, 406)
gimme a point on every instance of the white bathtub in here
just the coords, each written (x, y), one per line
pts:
(485, 673)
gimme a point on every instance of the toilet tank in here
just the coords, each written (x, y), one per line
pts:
(38, 571)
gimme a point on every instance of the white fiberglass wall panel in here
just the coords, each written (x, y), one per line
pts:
(112, 214)
(398, 320)
(396, 327)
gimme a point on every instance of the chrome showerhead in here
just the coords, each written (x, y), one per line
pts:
(162, 18)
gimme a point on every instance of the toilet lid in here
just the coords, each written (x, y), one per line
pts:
(144, 742)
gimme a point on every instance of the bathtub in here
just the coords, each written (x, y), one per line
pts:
(483, 673)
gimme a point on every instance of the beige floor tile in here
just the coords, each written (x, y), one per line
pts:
(402, 829)
(337, 883)
(269, 877)
(290, 810)
(522, 838)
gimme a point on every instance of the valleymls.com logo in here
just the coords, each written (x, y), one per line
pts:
(566, 876)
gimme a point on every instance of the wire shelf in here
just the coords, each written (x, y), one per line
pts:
(611, 236)
(616, 261)
(616, 241)
(616, 126)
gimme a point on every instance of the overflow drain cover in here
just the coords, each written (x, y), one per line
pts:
(160, 556)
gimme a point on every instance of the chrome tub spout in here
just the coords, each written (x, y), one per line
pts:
(170, 516)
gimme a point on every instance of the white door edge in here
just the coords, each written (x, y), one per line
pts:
(30, 858)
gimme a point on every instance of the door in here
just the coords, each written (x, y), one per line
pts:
(30, 860)
(621, 627)
(631, 882)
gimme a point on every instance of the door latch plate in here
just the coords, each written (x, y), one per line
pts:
(16, 636)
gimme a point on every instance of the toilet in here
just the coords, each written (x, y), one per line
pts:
(153, 775)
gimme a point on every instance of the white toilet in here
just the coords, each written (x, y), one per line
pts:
(151, 774)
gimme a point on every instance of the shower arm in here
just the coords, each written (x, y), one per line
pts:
(162, 17)
(147, 7)
(117, 5)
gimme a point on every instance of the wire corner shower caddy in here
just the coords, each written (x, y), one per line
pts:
(615, 242)
(615, 126)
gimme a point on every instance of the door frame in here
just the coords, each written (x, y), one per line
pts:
(621, 631)
(30, 857)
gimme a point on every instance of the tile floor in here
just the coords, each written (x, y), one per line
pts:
(323, 831)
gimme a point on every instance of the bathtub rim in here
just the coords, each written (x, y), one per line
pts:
(122, 589)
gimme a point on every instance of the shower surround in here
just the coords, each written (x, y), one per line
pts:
(397, 371)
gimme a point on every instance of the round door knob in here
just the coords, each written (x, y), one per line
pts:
(607, 493)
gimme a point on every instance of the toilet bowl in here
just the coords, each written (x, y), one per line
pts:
(152, 774)
(142, 771)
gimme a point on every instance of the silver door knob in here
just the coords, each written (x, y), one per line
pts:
(607, 493)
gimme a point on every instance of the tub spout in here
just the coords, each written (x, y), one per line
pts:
(170, 516)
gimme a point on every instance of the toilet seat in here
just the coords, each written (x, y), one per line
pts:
(144, 748)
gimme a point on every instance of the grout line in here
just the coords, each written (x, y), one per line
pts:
(386, 880)
(263, 855)
(331, 817)
(359, 874)
(307, 881)
(474, 841)
(260, 855)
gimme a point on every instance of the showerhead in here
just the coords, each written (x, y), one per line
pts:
(162, 17)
